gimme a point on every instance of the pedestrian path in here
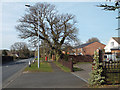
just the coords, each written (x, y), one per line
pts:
(55, 68)
(56, 79)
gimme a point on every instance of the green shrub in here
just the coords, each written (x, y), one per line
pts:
(96, 77)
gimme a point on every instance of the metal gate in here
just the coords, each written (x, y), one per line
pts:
(111, 66)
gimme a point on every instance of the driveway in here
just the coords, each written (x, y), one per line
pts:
(85, 70)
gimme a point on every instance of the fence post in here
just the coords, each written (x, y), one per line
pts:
(100, 56)
(71, 63)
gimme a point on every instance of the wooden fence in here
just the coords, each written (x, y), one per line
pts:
(112, 72)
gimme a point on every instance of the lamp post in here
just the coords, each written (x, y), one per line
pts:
(27, 5)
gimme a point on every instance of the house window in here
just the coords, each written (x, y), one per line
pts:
(112, 44)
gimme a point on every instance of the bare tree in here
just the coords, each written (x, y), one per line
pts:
(21, 49)
(55, 29)
(110, 7)
(93, 39)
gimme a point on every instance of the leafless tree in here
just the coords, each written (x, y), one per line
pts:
(113, 7)
(110, 7)
(55, 29)
(21, 49)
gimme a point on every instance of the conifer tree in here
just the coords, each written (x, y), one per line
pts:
(96, 77)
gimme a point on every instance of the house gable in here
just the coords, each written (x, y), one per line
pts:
(117, 39)
(113, 42)
(89, 48)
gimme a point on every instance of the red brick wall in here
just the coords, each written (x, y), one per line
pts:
(80, 58)
(89, 50)
(68, 64)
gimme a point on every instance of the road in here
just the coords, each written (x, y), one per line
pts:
(10, 70)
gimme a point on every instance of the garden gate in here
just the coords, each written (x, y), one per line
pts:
(111, 66)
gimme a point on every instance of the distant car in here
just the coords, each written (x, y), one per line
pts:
(111, 57)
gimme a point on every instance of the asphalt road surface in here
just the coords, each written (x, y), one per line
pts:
(10, 70)
(55, 79)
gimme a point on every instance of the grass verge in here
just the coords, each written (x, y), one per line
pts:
(44, 67)
(77, 69)
(83, 63)
(62, 67)
(39, 59)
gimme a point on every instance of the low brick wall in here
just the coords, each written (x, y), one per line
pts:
(80, 58)
(6, 59)
(68, 64)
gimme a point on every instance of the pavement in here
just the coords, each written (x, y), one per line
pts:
(84, 72)
(55, 79)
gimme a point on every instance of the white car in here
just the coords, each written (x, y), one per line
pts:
(111, 57)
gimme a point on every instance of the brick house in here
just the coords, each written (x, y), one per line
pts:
(68, 50)
(88, 48)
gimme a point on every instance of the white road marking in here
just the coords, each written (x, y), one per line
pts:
(80, 78)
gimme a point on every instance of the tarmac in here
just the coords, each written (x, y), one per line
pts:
(55, 79)
(84, 73)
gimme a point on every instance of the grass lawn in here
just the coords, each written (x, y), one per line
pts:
(83, 63)
(62, 67)
(44, 67)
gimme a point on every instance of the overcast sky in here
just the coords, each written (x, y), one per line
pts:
(91, 20)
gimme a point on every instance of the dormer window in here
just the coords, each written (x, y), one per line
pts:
(112, 44)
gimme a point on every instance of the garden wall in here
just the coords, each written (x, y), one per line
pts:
(68, 64)
(80, 58)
